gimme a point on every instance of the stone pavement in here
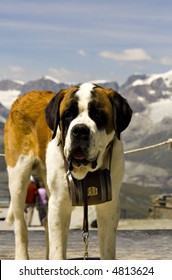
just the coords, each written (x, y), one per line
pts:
(136, 239)
(131, 244)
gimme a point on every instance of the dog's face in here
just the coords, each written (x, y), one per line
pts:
(88, 117)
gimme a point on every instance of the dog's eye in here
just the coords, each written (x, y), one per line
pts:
(68, 115)
(99, 117)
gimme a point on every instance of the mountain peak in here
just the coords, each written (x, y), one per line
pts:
(149, 79)
(51, 79)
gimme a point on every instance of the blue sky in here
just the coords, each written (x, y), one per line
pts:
(77, 41)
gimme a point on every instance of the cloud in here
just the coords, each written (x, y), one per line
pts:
(68, 76)
(136, 54)
(166, 60)
(60, 73)
(13, 72)
(15, 69)
(82, 52)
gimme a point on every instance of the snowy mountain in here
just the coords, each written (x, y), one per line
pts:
(164, 78)
(7, 97)
(150, 97)
(142, 90)
(10, 85)
(45, 83)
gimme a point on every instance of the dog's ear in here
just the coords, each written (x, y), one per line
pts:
(52, 113)
(122, 112)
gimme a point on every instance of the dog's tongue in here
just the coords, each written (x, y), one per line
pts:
(78, 154)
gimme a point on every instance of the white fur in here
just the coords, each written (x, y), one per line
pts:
(18, 180)
(84, 95)
(18, 177)
(60, 208)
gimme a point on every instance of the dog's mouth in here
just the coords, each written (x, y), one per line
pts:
(78, 157)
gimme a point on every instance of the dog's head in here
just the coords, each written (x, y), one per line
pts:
(88, 118)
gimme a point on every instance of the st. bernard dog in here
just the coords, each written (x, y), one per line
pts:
(50, 133)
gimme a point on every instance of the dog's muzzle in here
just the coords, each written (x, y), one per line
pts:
(80, 143)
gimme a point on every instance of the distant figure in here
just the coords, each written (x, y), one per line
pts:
(42, 203)
(30, 202)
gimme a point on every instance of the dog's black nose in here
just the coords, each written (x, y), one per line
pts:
(81, 131)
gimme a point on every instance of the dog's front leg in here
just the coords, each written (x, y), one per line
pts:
(59, 214)
(107, 219)
(59, 205)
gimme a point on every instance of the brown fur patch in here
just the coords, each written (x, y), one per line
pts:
(102, 97)
(68, 96)
(26, 130)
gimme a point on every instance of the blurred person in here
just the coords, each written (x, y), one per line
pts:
(42, 202)
(30, 202)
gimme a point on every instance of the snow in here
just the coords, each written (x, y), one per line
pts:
(7, 97)
(51, 79)
(166, 93)
(160, 109)
(19, 82)
(99, 82)
(141, 99)
(139, 82)
(152, 92)
(167, 77)
(2, 119)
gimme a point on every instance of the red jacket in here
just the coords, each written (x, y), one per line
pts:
(32, 193)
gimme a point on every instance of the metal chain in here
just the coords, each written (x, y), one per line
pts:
(85, 231)
(85, 236)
